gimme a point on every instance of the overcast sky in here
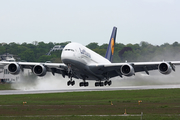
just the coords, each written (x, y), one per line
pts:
(85, 21)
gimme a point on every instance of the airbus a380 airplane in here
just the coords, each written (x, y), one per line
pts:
(82, 63)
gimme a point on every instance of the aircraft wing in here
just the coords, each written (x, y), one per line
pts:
(110, 69)
(60, 68)
(128, 69)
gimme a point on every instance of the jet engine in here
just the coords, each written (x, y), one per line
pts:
(165, 68)
(127, 70)
(14, 68)
(39, 70)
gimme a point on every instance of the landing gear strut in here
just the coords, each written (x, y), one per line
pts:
(107, 82)
(71, 82)
(84, 83)
(70, 74)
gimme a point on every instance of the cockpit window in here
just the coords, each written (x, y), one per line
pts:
(69, 50)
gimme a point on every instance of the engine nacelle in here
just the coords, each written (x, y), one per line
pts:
(165, 68)
(39, 70)
(14, 68)
(127, 70)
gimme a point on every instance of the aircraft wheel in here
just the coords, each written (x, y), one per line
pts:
(86, 84)
(81, 84)
(97, 84)
(109, 82)
(72, 82)
(68, 83)
(105, 83)
(101, 84)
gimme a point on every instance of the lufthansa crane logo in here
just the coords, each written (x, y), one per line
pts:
(112, 45)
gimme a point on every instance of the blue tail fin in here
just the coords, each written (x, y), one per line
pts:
(110, 50)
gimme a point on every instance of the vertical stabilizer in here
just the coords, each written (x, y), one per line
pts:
(110, 50)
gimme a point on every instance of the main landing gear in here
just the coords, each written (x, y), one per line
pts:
(108, 82)
(71, 82)
(85, 84)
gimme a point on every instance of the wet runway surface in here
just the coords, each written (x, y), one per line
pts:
(82, 89)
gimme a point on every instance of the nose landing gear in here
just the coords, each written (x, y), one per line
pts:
(70, 74)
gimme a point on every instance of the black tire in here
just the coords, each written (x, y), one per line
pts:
(97, 84)
(81, 84)
(101, 84)
(109, 82)
(86, 84)
(73, 83)
(105, 83)
(68, 83)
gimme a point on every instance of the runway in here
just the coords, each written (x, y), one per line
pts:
(82, 89)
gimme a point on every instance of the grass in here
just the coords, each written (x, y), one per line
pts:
(5, 86)
(146, 117)
(71, 118)
(156, 104)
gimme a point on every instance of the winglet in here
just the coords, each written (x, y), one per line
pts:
(110, 50)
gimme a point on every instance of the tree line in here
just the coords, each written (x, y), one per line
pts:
(144, 51)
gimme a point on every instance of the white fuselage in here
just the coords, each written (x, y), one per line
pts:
(80, 57)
